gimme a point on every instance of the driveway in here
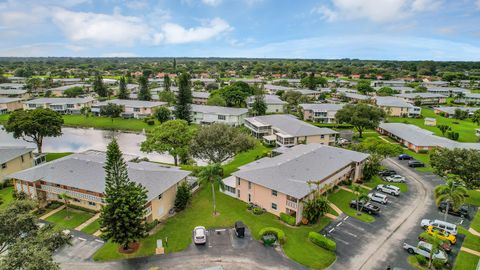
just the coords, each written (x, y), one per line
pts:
(222, 249)
(378, 245)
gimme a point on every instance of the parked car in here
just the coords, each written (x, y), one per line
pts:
(239, 229)
(424, 248)
(395, 179)
(365, 207)
(415, 164)
(386, 173)
(404, 157)
(445, 245)
(460, 212)
(377, 197)
(389, 189)
(199, 235)
(446, 226)
(442, 234)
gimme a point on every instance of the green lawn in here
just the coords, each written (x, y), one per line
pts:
(53, 156)
(179, 227)
(476, 222)
(471, 241)
(473, 197)
(7, 196)
(245, 158)
(466, 128)
(92, 227)
(3, 118)
(465, 261)
(376, 180)
(105, 122)
(342, 199)
(69, 219)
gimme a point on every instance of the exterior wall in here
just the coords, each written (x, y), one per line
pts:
(234, 120)
(16, 165)
(323, 139)
(12, 106)
(139, 112)
(275, 108)
(395, 111)
(76, 106)
(199, 101)
(160, 207)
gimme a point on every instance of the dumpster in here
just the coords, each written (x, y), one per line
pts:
(269, 240)
(239, 229)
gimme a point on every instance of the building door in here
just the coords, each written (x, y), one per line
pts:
(249, 198)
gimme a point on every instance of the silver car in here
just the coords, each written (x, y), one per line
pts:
(199, 235)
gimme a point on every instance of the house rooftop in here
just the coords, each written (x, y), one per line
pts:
(392, 102)
(66, 87)
(133, 103)
(451, 110)
(218, 110)
(8, 153)
(198, 94)
(420, 95)
(291, 171)
(269, 100)
(8, 100)
(86, 171)
(322, 107)
(289, 124)
(59, 100)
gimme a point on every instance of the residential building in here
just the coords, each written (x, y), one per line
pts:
(274, 103)
(292, 82)
(61, 105)
(68, 81)
(247, 81)
(435, 84)
(203, 114)
(287, 130)
(280, 184)
(273, 89)
(352, 96)
(82, 177)
(109, 81)
(14, 93)
(320, 112)
(398, 107)
(131, 108)
(10, 86)
(200, 98)
(423, 98)
(393, 83)
(418, 139)
(447, 91)
(14, 159)
(450, 111)
(15, 79)
(60, 91)
(10, 104)
(469, 98)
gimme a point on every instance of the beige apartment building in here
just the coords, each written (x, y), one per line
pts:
(280, 184)
(397, 107)
(60, 105)
(10, 104)
(82, 177)
(14, 159)
(131, 108)
(320, 112)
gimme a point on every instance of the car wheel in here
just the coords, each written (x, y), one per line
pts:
(369, 212)
(410, 250)
(393, 193)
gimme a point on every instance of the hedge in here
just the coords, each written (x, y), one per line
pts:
(288, 219)
(275, 231)
(322, 241)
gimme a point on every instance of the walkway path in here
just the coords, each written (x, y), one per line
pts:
(88, 222)
(471, 251)
(335, 208)
(472, 231)
(52, 212)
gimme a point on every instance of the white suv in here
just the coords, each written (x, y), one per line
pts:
(377, 197)
(395, 179)
(446, 226)
(199, 235)
(389, 189)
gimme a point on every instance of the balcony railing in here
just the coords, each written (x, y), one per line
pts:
(291, 204)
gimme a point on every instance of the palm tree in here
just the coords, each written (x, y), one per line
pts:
(66, 199)
(450, 193)
(361, 196)
(213, 174)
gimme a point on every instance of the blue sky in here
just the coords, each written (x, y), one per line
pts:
(328, 29)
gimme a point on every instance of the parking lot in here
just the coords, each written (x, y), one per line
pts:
(82, 247)
(378, 245)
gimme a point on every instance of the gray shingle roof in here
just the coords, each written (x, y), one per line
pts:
(85, 171)
(66, 87)
(8, 153)
(290, 125)
(322, 107)
(269, 100)
(218, 110)
(451, 110)
(12, 91)
(133, 103)
(289, 172)
(392, 102)
(59, 100)
(8, 100)
(420, 95)
(197, 94)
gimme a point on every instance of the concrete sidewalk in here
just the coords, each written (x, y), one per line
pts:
(88, 222)
(52, 212)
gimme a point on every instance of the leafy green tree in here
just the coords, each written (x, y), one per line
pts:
(144, 92)
(361, 116)
(15, 220)
(364, 87)
(184, 98)
(311, 82)
(218, 143)
(28, 254)
(450, 193)
(172, 137)
(476, 117)
(386, 91)
(167, 96)
(33, 84)
(122, 218)
(360, 195)
(162, 114)
(216, 100)
(122, 88)
(182, 197)
(74, 92)
(443, 128)
(460, 114)
(372, 166)
(111, 110)
(99, 87)
(34, 125)
(167, 83)
(259, 106)
(374, 145)
(293, 98)
(212, 174)
(66, 200)
(464, 163)
(211, 86)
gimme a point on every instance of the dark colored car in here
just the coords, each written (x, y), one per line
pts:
(366, 207)
(461, 212)
(415, 164)
(404, 157)
(239, 229)
(386, 173)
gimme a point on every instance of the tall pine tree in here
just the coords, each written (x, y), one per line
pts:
(122, 219)
(184, 98)
(99, 87)
(144, 93)
(122, 88)
(167, 82)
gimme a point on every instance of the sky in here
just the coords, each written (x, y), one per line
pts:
(320, 29)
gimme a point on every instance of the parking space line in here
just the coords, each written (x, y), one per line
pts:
(81, 239)
(340, 223)
(351, 234)
(99, 241)
(343, 241)
(331, 230)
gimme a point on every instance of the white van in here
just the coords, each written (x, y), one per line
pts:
(446, 226)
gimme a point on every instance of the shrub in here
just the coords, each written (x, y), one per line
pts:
(275, 231)
(438, 264)
(288, 219)
(421, 260)
(322, 241)
(183, 197)
(150, 122)
(423, 151)
(257, 210)
(151, 225)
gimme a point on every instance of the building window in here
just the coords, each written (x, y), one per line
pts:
(238, 181)
(159, 196)
(322, 136)
(76, 200)
(23, 160)
(274, 206)
(249, 185)
(70, 106)
(92, 203)
(4, 165)
(222, 117)
(238, 193)
(274, 192)
(249, 197)
(136, 109)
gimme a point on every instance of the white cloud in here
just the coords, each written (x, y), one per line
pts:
(40, 49)
(373, 10)
(212, 3)
(175, 34)
(137, 4)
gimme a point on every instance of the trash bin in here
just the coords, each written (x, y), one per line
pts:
(239, 229)
(269, 240)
